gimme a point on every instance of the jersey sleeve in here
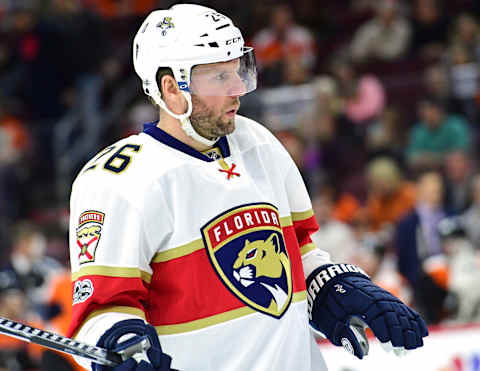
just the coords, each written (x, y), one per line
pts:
(110, 253)
(304, 221)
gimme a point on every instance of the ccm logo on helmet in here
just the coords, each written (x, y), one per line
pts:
(233, 41)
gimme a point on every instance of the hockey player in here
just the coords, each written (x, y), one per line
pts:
(198, 229)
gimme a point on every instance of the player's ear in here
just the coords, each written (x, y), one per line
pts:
(168, 86)
(172, 95)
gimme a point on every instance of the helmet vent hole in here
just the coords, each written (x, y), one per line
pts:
(145, 27)
(213, 45)
(147, 91)
(204, 35)
(199, 45)
(222, 26)
(228, 53)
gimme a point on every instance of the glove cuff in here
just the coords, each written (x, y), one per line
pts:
(137, 329)
(325, 276)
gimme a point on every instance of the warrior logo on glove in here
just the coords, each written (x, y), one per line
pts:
(339, 313)
(246, 248)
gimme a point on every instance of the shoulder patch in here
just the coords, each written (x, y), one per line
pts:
(88, 234)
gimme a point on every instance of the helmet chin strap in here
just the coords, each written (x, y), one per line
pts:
(185, 119)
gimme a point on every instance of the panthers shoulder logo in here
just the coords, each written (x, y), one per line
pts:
(247, 250)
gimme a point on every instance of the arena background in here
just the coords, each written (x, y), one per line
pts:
(377, 101)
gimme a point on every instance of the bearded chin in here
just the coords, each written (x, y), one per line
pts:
(211, 127)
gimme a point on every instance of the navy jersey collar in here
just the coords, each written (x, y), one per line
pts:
(154, 131)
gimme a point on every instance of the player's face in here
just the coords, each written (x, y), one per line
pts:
(216, 89)
(214, 117)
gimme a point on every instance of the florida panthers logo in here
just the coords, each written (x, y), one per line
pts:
(269, 263)
(165, 24)
(247, 250)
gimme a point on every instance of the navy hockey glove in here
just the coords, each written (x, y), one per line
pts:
(340, 295)
(151, 360)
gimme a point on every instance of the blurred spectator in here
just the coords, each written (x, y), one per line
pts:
(335, 151)
(376, 258)
(464, 80)
(295, 72)
(390, 197)
(374, 253)
(60, 297)
(472, 214)
(347, 207)
(14, 143)
(463, 269)
(363, 96)
(435, 135)
(418, 244)
(430, 29)
(385, 37)
(458, 181)
(386, 135)
(466, 32)
(315, 125)
(437, 85)
(282, 106)
(59, 294)
(282, 39)
(335, 237)
(15, 354)
(29, 265)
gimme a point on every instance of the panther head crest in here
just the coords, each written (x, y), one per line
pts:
(269, 262)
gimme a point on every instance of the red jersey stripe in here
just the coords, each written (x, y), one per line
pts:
(173, 278)
(108, 291)
(304, 228)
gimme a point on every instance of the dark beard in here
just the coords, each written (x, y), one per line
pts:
(206, 123)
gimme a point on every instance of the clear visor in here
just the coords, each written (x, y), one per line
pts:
(233, 78)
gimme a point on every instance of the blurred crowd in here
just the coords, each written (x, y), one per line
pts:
(377, 101)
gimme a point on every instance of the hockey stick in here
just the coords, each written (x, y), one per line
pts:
(63, 344)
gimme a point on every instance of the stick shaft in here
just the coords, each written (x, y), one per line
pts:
(58, 342)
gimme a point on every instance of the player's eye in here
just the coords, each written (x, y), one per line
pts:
(221, 76)
(251, 254)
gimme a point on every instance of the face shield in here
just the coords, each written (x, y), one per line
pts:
(232, 78)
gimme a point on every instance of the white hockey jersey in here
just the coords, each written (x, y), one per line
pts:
(205, 247)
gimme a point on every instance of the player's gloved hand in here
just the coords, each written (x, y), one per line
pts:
(341, 297)
(153, 359)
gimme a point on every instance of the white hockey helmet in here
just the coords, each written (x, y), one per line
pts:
(183, 37)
